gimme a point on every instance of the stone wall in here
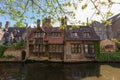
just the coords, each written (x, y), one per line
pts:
(69, 57)
(16, 53)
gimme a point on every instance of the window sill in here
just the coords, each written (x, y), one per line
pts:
(90, 55)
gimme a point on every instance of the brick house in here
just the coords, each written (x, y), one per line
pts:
(79, 44)
(54, 44)
(46, 43)
(55, 41)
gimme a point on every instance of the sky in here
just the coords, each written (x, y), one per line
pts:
(80, 14)
(88, 12)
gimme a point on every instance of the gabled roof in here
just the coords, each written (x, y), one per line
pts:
(39, 29)
(97, 24)
(56, 29)
(50, 39)
(54, 40)
(80, 33)
(18, 31)
(114, 18)
(66, 34)
(48, 29)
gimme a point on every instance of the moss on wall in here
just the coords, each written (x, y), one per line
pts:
(2, 49)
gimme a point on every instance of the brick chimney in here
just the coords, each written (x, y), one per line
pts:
(7, 25)
(46, 22)
(64, 21)
(0, 25)
(38, 23)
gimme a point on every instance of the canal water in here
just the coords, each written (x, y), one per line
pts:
(55, 71)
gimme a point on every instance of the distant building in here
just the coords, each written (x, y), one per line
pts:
(115, 20)
(104, 32)
(12, 35)
(7, 25)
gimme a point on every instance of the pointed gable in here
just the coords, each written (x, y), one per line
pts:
(54, 35)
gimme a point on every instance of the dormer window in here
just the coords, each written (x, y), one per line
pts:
(86, 35)
(56, 34)
(74, 34)
(39, 34)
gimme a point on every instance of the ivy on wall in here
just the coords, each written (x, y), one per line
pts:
(2, 49)
(97, 48)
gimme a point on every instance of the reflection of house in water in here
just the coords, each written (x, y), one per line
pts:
(79, 71)
(53, 44)
(58, 71)
(9, 71)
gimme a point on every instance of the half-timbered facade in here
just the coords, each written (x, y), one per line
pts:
(47, 44)
(54, 44)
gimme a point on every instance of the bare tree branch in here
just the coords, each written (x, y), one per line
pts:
(25, 7)
(33, 2)
(97, 8)
(61, 8)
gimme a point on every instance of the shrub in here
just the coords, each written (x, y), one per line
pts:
(109, 57)
(17, 45)
(97, 48)
(118, 47)
(2, 49)
(9, 56)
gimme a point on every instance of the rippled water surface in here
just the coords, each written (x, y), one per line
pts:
(55, 71)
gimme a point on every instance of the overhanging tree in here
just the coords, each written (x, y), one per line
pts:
(21, 10)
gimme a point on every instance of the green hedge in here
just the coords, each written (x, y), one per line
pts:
(17, 45)
(2, 49)
(109, 57)
(118, 47)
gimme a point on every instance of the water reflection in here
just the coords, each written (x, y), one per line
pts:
(54, 71)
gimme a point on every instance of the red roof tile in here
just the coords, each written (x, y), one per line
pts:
(55, 40)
